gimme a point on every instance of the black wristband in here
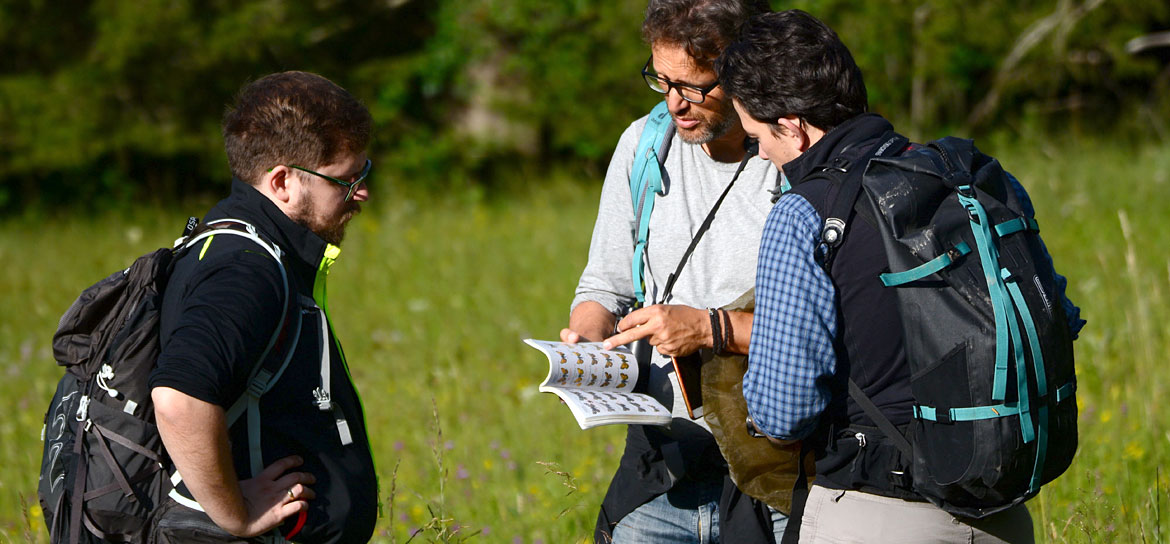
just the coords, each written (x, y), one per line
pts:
(716, 331)
(728, 335)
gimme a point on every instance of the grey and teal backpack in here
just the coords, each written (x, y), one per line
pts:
(985, 333)
(104, 469)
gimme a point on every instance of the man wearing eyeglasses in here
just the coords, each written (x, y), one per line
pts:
(296, 464)
(672, 485)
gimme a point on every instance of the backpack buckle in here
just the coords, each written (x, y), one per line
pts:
(833, 232)
(323, 400)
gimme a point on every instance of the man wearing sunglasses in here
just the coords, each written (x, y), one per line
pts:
(671, 485)
(294, 464)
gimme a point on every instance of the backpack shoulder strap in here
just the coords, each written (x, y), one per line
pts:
(850, 174)
(645, 182)
(267, 369)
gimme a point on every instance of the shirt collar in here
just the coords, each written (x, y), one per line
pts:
(864, 127)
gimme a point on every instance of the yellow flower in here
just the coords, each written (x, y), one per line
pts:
(1106, 415)
(1133, 451)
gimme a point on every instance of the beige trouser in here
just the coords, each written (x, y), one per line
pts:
(831, 515)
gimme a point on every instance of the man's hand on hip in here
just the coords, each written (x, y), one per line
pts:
(674, 329)
(275, 494)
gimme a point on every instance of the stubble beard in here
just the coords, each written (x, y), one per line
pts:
(712, 126)
(332, 231)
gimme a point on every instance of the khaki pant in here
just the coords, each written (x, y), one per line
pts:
(835, 516)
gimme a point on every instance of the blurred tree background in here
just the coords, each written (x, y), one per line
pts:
(108, 102)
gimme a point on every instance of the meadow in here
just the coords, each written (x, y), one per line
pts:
(433, 294)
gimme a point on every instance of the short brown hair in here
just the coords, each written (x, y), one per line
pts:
(292, 118)
(701, 27)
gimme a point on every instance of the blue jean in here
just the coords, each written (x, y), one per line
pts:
(687, 514)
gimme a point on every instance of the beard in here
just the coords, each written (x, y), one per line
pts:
(330, 229)
(712, 124)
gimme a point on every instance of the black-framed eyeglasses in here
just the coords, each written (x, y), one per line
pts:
(691, 93)
(351, 185)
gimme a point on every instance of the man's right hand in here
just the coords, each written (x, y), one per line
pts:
(195, 435)
(273, 496)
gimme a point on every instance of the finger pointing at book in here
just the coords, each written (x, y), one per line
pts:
(673, 329)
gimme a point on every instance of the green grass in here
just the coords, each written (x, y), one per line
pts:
(432, 296)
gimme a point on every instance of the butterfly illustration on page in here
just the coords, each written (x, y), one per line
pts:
(625, 380)
(564, 377)
(608, 360)
(580, 376)
(608, 380)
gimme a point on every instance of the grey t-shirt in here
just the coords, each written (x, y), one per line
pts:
(723, 265)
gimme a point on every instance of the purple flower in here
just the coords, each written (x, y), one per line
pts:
(398, 445)
(461, 473)
(505, 453)
(450, 445)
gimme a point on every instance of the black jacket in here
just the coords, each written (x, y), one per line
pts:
(869, 343)
(220, 310)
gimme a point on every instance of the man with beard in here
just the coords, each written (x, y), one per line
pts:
(298, 466)
(672, 484)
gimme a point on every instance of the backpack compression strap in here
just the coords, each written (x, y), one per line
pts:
(645, 182)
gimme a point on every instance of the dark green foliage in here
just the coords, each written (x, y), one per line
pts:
(104, 101)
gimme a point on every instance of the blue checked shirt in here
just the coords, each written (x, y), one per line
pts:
(791, 352)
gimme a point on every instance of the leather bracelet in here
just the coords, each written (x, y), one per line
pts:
(727, 333)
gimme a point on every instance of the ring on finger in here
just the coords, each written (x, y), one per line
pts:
(291, 497)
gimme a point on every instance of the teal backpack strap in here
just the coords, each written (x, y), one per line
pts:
(645, 183)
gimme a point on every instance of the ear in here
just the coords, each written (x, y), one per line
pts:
(793, 127)
(277, 184)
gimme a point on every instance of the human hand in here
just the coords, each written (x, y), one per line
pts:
(570, 336)
(674, 329)
(273, 495)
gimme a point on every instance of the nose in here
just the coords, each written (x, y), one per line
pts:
(362, 193)
(675, 102)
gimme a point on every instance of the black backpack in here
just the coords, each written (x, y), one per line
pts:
(985, 332)
(104, 469)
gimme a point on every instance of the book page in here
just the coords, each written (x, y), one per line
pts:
(597, 384)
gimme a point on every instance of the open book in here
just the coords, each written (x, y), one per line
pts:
(598, 384)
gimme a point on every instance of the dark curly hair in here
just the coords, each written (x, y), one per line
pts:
(292, 118)
(791, 64)
(701, 27)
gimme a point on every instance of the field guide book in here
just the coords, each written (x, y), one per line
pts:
(598, 384)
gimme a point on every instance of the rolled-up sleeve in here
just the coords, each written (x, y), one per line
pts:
(791, 357)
